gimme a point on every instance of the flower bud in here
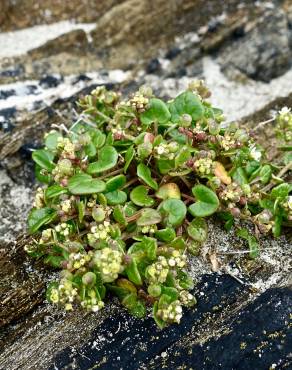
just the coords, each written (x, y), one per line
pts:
(185, 120)
(235, 212)
(98, 214)
(89, 279)
(154, 290)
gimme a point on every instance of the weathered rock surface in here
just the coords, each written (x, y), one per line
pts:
(242, 317)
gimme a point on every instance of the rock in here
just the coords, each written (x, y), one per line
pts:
(263, 52)
(50, 81)
(255, 337)
(222, 332)
(153, 66)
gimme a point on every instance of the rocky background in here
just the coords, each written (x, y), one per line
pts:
(52, 52)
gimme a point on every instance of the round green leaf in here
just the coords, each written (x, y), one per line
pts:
(115, 183)
(148, 217)
(107, 159)
(51, 140)
(173, 211)
(144, 174)
(83, 183)
(198, 230)
(140, 197)
(116, 197)
(207, 201)
(186, 103)
(44, 158)
(157, 112)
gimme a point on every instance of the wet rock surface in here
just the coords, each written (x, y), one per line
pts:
(243, 51)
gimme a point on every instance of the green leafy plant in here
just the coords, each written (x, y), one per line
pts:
(127, 191)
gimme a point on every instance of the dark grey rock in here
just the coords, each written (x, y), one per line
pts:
(262, 53)
(50, 81)
(254, 337)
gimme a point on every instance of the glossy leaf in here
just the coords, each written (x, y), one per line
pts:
(198, 230)
(207, 201)
(54, 191)
(83, 183)
(116, 197)
(186, 103)
(133, 273)
(139, 196)
(40, 217)
(157, 112)
(115, 183)
(173, 212)
(107, 159)
(130, 153)
(165, 235)
(44, 158)
(144, 174)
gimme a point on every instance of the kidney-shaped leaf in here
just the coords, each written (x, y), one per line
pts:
(83, 183)
(107, 159)
(139, 196)
(198, 229)
(186, 103)
(157, 112)
(207, 201)
(173, 211)
(115, 182)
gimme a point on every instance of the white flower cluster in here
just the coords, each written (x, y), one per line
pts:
(204, 166)
(99, 232)
(157, 272)
(77, 260)
(166, 150)
(171, 313)
(63, 229)
(65, 294)
(91, 303)
(66, 147)
(186, 298)
(177, 259)
(109, 263)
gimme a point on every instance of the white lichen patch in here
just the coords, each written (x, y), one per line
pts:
(20, 42)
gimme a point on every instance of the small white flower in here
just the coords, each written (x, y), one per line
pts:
(255, 153)
(284, 111)
(160, 149)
